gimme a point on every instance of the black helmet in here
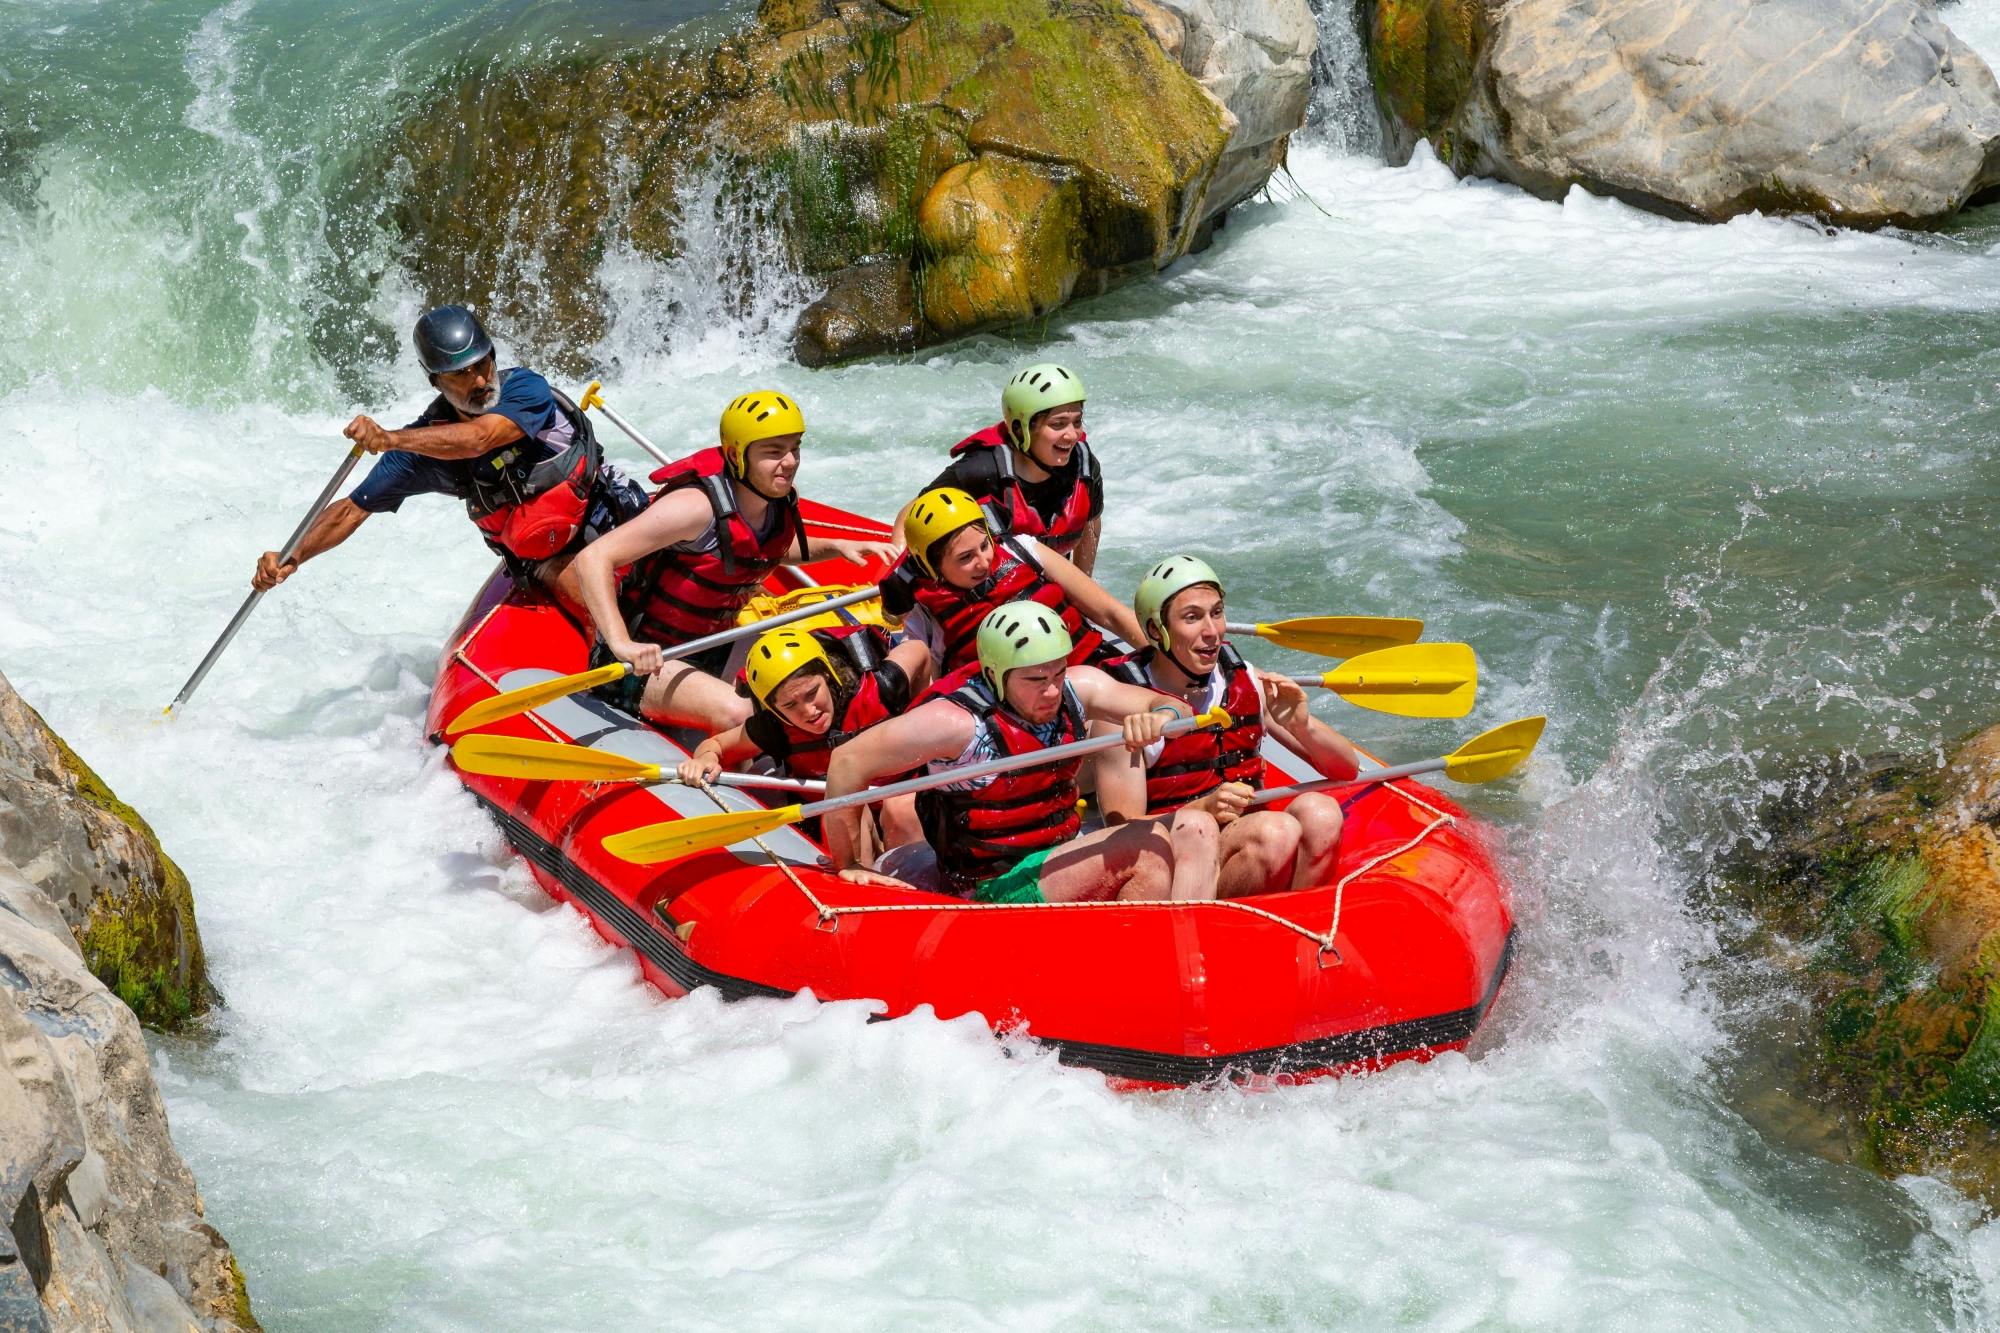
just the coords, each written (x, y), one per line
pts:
(450, 338)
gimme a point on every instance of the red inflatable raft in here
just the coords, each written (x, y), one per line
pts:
(1399, 958)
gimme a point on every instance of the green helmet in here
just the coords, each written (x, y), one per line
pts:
(1177, 573)
(1019, 634)
(1032, 392)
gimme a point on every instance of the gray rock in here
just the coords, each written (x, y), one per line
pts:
(1863, 112)
(107, 1229)
(125, 903)
(1255, 57)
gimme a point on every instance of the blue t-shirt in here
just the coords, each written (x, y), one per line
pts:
(525, 399)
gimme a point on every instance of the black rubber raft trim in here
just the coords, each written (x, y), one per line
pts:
(1348, 1048)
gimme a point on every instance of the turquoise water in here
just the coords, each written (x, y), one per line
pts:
(1715, 499)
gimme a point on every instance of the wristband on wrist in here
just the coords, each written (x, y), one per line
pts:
(1169, 709)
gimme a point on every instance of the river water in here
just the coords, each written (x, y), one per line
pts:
(1714, 498)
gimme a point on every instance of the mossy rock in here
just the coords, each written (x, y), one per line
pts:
(1884, 896)
(128, 905)
(841, 119)
(1421, 58)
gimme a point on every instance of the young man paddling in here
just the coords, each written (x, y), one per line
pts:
(814, 691)
(1180, 609)
(721, 521)
(1034, 468)
(956, 571)
(521, 455)
(1012, 837)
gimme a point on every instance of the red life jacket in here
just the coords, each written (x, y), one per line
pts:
(696, 587)
(866, 690)
(533, 510)
(1061, 531)
(1015, 577)
(1195, 763)
(982, 833)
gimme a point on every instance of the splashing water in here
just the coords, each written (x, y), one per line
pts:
(1713, 498)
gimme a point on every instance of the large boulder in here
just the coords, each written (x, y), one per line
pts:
(1862, 112)
(1879, 897)
(100, 1223)
(123, 899)
(935, 168)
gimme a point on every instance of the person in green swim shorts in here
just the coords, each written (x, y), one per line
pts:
(1013, 837)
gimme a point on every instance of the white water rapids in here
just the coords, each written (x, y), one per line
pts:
(1715, 498)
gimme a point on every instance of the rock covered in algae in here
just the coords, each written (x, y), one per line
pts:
(1862, 112)
(1881, 899)
(122, 898)
(101, 1226)
(900, 133)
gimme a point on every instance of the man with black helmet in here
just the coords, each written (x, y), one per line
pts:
(520, 454)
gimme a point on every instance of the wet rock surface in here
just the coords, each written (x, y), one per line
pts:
(1008, 155)
(1861, 112)
(101, 1226)
(120, 895)
(1878, 901)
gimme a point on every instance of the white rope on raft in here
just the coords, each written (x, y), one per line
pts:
(832, 912)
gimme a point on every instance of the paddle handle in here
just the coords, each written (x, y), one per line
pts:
(592, 398)
(1359, 780)
(720, 637)
(1237, 627)
(753, 780)
(257, 595)
(1006, 763)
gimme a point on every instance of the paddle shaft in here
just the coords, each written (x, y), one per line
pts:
(250, 603)
(659, 454)
(722, 636)
(749, 780)
(1006, 763)
(1359, 780)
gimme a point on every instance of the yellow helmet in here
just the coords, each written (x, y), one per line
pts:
(777, 656)
(757, 415)
(935, 516)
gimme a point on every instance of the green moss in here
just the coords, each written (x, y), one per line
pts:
(134, 942)
(244, 1317)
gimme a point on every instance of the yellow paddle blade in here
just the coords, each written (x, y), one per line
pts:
(1417, 680)
(1496, 753)
(1342, 636)
(684, 837)
(546, 761)
(533, 696)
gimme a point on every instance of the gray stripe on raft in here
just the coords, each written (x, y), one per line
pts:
(616, 732)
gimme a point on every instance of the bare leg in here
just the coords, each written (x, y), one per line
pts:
(1150, 859)
(898, 817)
(1319, 818)
(680, 696)
(1257, 853)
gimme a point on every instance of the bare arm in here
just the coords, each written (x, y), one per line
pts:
(677, 518)
(335, 524)
(1292, 722)
(1098, 606)
(854, 550)
(1121, 785)
(1085, 558)
(726, 750)
(456, 439)
(938, 730)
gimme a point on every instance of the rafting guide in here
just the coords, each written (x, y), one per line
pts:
(520, 454)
